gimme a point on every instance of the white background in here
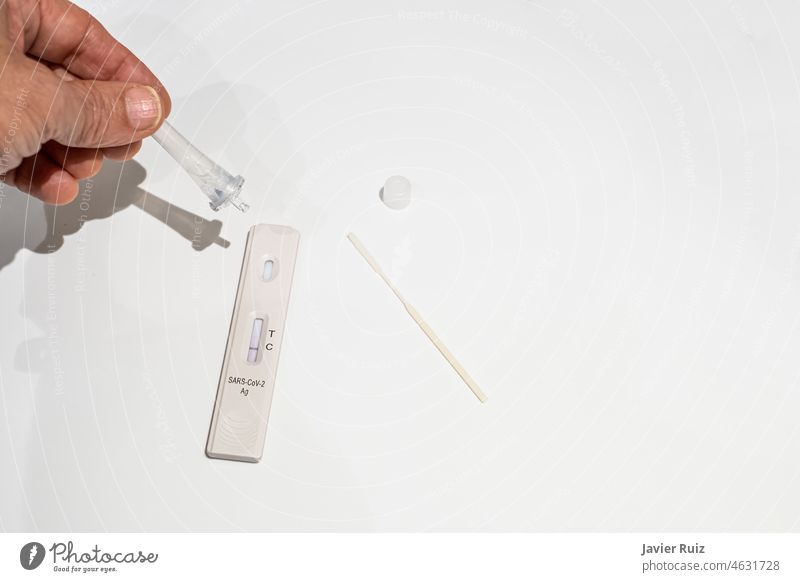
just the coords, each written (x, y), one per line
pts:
(604, 230)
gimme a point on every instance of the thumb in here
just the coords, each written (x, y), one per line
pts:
(99, 114)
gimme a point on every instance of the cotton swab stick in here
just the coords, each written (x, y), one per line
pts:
(418, 319)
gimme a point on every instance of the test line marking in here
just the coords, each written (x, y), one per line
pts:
(418, 319)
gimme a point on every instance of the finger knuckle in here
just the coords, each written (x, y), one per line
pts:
(95, 118)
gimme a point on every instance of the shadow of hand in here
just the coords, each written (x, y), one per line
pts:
(116, 187)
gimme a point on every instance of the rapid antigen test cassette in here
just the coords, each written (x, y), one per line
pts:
(246, 383)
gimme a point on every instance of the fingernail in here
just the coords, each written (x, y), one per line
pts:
(143, 106)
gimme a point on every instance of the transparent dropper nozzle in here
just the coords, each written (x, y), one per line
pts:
(221, 187)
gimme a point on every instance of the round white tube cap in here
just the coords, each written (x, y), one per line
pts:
(396, 192)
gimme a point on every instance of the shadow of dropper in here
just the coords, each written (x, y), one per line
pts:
(117, 187)
(195, 229)
(218, 185)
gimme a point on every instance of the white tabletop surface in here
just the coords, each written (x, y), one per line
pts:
(605, 228)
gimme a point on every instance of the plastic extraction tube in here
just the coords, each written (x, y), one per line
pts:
(218, 185)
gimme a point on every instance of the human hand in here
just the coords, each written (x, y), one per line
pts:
(70, 95)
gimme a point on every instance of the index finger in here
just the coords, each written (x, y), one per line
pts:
(60, 32)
